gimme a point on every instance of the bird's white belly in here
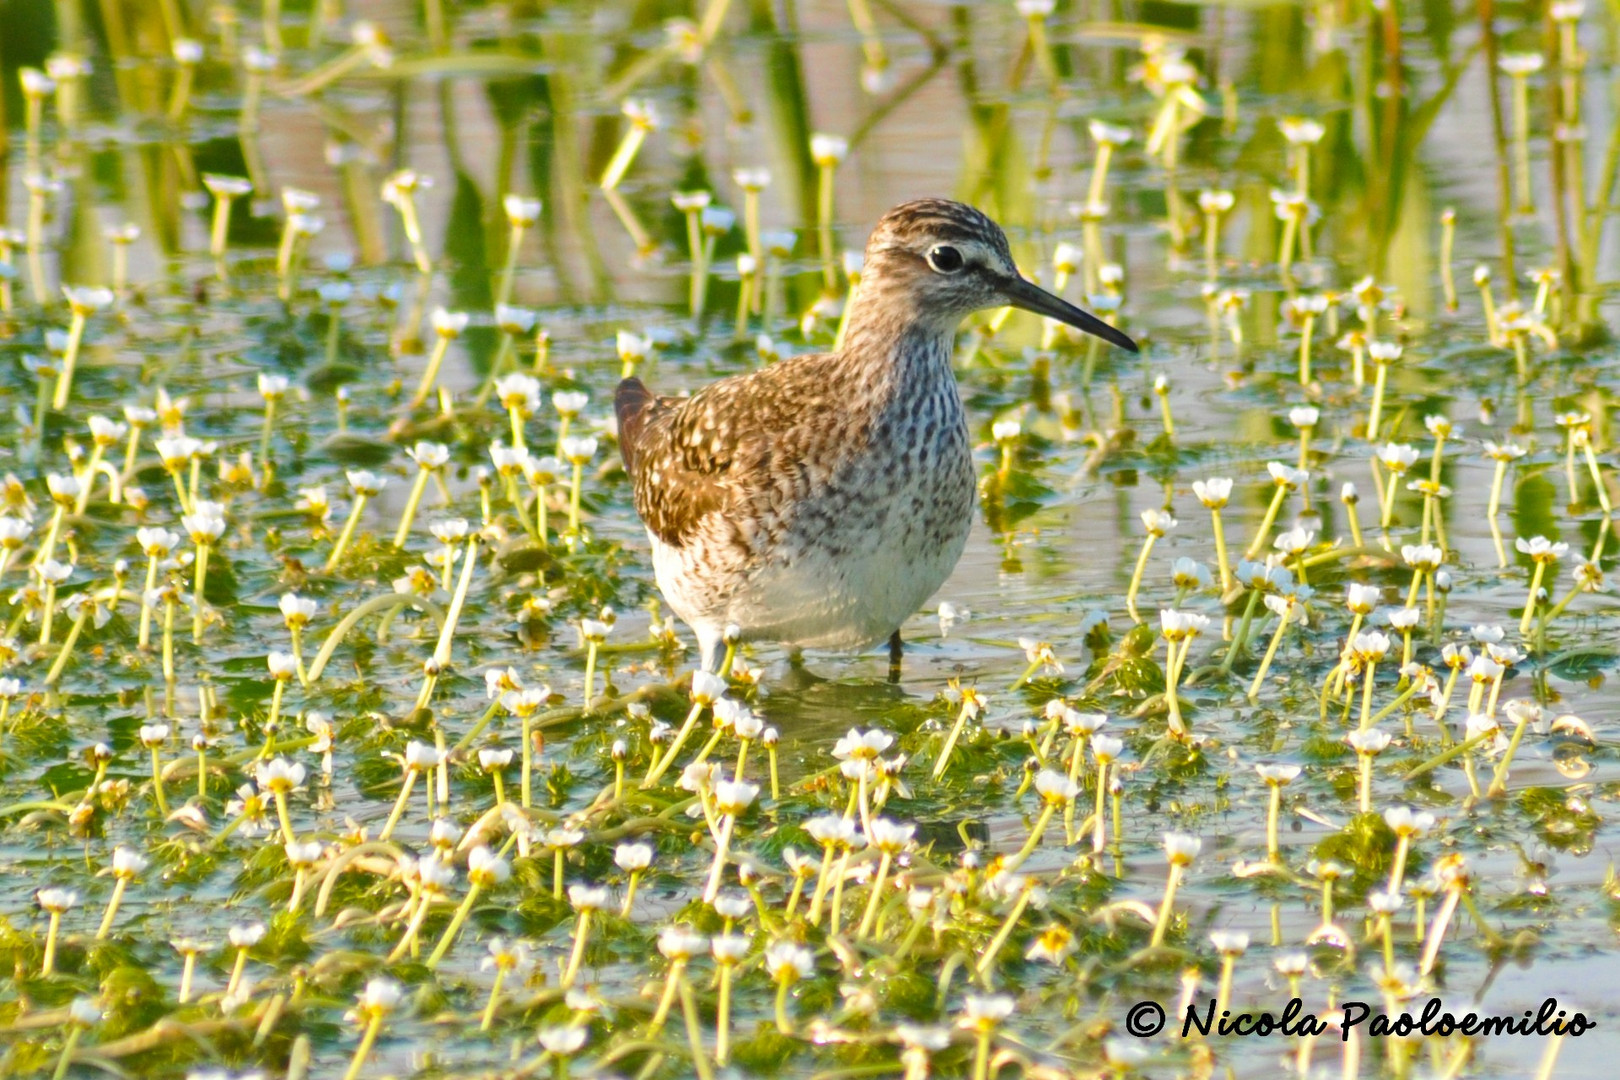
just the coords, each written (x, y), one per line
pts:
(811, 595)
(849, 601)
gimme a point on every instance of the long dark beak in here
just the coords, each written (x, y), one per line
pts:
(1024, 294)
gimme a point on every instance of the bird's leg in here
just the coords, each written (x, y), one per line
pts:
(896, 651)
(710, 643)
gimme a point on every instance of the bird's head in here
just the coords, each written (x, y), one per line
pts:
(938, 261)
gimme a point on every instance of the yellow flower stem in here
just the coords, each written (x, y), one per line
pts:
(577, 957)
(1099, 173)
(1221, 559)
(1530, 601)
(399, 806)
(418, 486)
(488, 1018)
(525, 781)
(112, 908)
(1175, 659)
(1285, 246)
(694, 1030)
(1265, 661)
(698, 286)
(1270, 519)
(818, 892)
(987, 959)
(1448, 237)
(541, 526)
(407, 943)
(1366, 694)
(1521, 142)
(1305, 351)
(66, 651)
(74, 1033)
(1375, 414)
(722, 1017)
(1223, 989)
(1136, 576)
(590, 670)
(1597, 478)
(93, 463)
(70, 357)
(1437, 928)
(577, 483)
(885, 860)
(1162, 923)
(623, 156)
(835, 906)
(824, 213)
(413, 232)
(1498, 785)
(1240, 639)
(367, 1038)
(157, 785)
(1397, 871)
(48, 965)
(469, 562)
(662, 765)
(1099, 838)
(1401, 699)
(1273, 812)
(169, 604)
(950, 741)
(1212, 243)
(1389, 491)
(47, 549)
(217, 232)
(448, 938)
(188, 970)
(722, 845)
(281, 814)
(667, 998)
(430, 374)
(630, 894)
(509, 266)
(237, 968)
(347, 534)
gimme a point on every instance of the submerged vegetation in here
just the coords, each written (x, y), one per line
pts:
(342, 731)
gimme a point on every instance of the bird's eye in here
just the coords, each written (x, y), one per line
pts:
(945, 259)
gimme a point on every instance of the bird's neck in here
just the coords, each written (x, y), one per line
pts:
(898, 357)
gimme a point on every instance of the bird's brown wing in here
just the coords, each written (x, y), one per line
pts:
(633, 404)
(679, 476)
(692, 457)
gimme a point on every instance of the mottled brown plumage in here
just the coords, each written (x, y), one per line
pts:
(821, 500)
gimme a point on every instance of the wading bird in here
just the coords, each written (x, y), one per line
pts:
(820, 501)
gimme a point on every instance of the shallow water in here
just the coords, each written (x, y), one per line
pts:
(527, 100)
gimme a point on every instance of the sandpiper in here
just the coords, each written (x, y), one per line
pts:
(820, 501)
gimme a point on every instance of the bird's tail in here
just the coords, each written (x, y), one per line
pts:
(632, 402)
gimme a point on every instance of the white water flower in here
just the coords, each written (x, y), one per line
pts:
(828, 150)
(1369, 740)
(1280, 775)
(1157, 522)
(1540, 549)
(1213, 493)
(789, 962)
(1181, 849)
